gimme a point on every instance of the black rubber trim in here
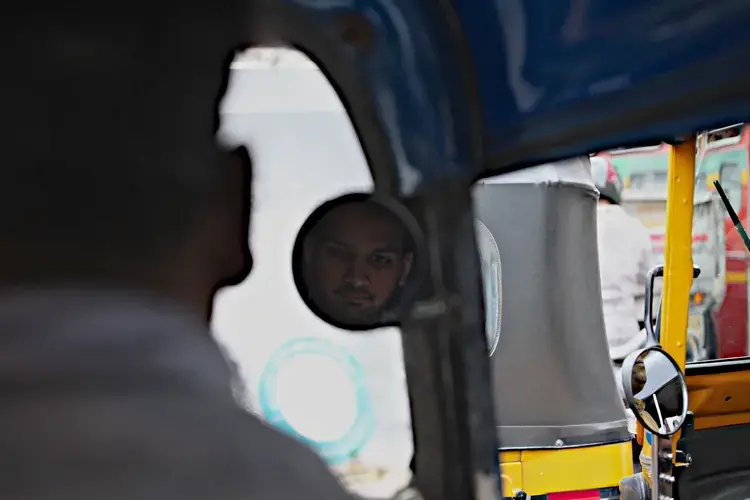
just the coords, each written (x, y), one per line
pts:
(713, 366)
(468, 77)
(289, 25)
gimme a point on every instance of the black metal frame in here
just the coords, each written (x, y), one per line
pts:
(448, 376)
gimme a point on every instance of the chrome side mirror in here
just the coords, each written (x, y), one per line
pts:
(656, 391)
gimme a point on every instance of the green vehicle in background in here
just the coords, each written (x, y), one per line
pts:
(641, 169)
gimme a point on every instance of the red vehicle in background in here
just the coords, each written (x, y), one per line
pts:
(723, 154)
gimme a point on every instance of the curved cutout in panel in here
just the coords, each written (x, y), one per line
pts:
(492, 284)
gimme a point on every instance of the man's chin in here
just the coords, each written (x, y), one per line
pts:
(355, 316)
(350, 313)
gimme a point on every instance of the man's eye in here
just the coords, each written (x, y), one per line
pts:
(337, 252)
(382, 260)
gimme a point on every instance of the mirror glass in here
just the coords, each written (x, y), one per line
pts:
(657, 391)
(354, 259)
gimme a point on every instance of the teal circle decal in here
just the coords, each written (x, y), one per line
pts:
(289, 402)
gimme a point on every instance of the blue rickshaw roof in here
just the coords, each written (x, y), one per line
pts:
(524, 82)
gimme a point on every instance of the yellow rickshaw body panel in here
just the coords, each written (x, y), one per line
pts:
(719, 399)
(538, 472)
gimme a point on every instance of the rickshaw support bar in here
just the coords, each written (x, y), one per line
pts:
(678, 251)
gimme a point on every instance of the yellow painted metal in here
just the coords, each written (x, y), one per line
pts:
(511, 475)
(710, 178)
(510, 456)
(678, 250)
(538, 472)
(735, 277)
(678, 259)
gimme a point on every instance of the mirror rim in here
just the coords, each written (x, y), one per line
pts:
(414, 231)
(627, 385)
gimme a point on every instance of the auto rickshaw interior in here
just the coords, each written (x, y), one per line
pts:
(358, 260)
(475, 272)
(528, 225)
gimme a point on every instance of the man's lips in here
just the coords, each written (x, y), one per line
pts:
(356, 298)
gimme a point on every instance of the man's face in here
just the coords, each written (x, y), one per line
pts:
(357, 261)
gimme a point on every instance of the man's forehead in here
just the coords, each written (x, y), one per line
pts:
(361, 221)
(365, 245)
(363, 216)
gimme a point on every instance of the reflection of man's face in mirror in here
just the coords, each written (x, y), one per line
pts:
(357, 261)
(638, 381)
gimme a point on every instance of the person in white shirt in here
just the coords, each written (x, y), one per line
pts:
(625, 256)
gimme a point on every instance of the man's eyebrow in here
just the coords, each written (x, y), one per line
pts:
(379, 247)
(387, 249)
(335, 242)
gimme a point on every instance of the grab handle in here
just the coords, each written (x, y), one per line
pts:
(654, 333)
(648, 319)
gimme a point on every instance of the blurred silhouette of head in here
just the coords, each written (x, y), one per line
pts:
(112, 174)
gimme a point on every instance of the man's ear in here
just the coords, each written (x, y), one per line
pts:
(408, 261)
(234, 255)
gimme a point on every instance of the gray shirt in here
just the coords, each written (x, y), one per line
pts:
(120, 397)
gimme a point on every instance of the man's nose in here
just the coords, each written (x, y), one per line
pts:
(357, 273)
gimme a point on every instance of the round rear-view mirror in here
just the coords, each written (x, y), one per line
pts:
(655, 390)
(355, 261)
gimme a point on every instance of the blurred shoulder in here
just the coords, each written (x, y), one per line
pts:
(287, 468)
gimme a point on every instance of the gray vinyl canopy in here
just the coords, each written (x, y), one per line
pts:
(553, 379)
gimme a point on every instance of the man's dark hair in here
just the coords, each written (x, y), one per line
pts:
(323, 222)
(108, 146)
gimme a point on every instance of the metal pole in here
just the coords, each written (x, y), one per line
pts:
(678, 251)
